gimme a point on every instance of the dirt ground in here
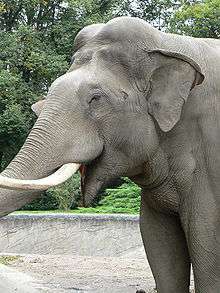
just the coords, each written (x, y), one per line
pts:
(69, 273)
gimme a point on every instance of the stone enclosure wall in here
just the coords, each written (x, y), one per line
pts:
(89, 235)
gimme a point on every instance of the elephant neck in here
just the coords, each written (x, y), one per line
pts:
(154, 172)
(156, 183)
(165, 180)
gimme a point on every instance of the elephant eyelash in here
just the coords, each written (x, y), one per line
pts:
(148, 89)
(124, 95)
(95, 98)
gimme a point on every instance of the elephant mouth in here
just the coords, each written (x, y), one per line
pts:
(90, 187)
(94, 180)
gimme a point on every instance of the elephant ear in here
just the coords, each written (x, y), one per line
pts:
(172, 80)
(37, 107)
(86, 34)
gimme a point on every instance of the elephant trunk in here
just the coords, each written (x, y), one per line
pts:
(33, 169)
(59, 142)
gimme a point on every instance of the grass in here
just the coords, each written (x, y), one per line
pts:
(96, 210)
(8, 259)
(122, 200)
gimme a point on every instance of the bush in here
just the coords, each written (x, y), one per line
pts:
(67, 195)
(124, 199)
(62, 197)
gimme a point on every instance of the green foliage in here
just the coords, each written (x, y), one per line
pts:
(158, 12)
(64, 197)
(67, 195)
(198, 18)
(15, 116)
(125, 198)
(9, 259)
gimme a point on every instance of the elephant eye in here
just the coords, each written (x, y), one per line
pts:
(95, 98)
(124, 95)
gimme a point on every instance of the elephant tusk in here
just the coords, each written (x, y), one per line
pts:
(58, 177)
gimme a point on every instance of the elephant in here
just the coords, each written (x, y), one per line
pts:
(145, 104)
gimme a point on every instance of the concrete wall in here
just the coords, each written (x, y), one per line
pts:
(89, 235)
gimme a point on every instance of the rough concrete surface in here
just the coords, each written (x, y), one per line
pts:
(15, 281)
(91, 235)
(76, 253)
(87, 274)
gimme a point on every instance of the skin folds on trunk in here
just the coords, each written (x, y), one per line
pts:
(41, 155)
(11, 200)
(28, 164)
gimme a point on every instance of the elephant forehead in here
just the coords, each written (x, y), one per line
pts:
(83, 56)
(71, 81)
(102, 57)
(113, 55)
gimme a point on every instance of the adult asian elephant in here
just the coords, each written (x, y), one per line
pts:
(145, 104)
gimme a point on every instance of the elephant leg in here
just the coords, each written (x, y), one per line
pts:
(206, 281)
(203, 236)
(166, 250)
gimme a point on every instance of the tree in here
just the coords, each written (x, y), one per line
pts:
(27, 68)
(198, 19)
(158, 12)
(14, 118)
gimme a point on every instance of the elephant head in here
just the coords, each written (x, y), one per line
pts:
(106, 113)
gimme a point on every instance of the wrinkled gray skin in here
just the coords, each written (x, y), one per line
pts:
(134, 103)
